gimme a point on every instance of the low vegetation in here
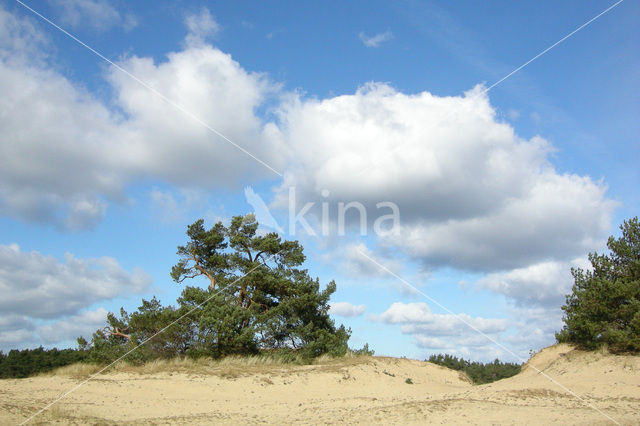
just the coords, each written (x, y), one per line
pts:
(478, 372)
(229, 366)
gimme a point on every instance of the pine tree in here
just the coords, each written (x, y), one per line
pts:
(604, 306)
(257, 298)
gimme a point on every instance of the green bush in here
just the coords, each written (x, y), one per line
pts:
(604, 306)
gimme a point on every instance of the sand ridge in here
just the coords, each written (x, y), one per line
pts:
(366, 390)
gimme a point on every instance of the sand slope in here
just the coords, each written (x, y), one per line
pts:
(353, 391)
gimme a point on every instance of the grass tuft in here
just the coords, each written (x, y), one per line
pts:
(229, 367)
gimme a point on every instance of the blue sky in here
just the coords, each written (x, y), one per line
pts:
(499, 192)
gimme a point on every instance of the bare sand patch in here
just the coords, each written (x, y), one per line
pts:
(362, 390)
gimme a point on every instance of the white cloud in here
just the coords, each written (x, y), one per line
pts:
(85, 214)
(97, 14)
(165, 143)
(16, 332)
(71, 154)
(346, 309)
(60, 142)
(375, 40)
(20, 39)
(471, 193)
(44, 300)
(545, 283)
(511, 338)
(535, 328)
(446, 332)
(70, 328)
(559, 217)
(60, 168)
(21, 332)
(418, 318)
(201, 26)
(40, 286)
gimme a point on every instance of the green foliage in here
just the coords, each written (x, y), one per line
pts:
(364, 351)
(604, 306)
(257, 299)
(409, 381)
(478, 372)
(27, 362)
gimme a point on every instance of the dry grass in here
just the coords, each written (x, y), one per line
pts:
(57, 415)
(230, 367)
(76, 371)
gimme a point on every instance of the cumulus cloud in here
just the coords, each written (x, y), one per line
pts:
(20, 331)
(100, 15)
(57, 138)
(71, 153)
(445, 332)
(45, 300)
(346, 309)
(166, 143)
(544, 283)
(40, 286)
(558, 217)
(526, 328)
(72, 327)
(375, 40)
(418, 318)
(16, 331)
(471, 193)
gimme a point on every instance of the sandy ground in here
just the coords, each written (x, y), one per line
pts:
(356, 391)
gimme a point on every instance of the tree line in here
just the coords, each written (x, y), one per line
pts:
(478, 372)
(259, 300)
(29, 362)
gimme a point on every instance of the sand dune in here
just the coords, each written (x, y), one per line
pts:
(355, 391)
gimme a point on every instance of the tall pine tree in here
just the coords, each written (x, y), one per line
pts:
(604, 306)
